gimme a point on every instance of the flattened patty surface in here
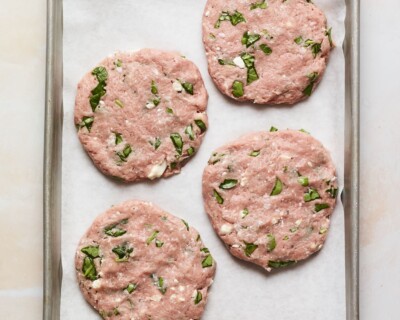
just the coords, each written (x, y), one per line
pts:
(270, 195)
(268, 52)
(141, 115)
(139, 262)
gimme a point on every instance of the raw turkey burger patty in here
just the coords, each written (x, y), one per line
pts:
(141, 115)
(270, 196)
(138, 262)
(268, 52)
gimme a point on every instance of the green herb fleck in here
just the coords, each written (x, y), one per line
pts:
(154, 89)
(177, 141)
(273, 129)
(86, 122)
(201, 125)
(277, 189)
(190, 151)
(100, 73)
(119, 103)
(249, 60)
(280, 264)
(159, 243)
(89, 269)
(299, 40)
(188, 87)
(198, 297)
(320, 206)
(271, 244)
(91, 251)
(207, 261)
(189, 132)
(312, 78)
(131, 287)
(286, 238)
(332, 192)
(125, 153)
(152, 237)
(228, 184)
(99, 91)
(237, 89)
(159, 283)
(156, 144)
(249, 39)
(303, 181)
(226, 62)
(267, 50)
(186, 224)
(294, 229)
(205, 250)
(323, 230)
(118, 63)
(122, 251)
(254, 153)
(235, 18)
(114, 231)
(218, 197)
(258, 5)
(328, 33)
(118, 138)
(244, 213)
(250, 248)
(311, 195)
(169, 110)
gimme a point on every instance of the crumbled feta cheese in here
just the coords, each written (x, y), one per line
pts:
(102, 103)
(207, 13)
(150, 105)
(238, 61)
(119, 69)
(177, 86)
(157, 170)
(172, 297)
(298, 222)
(243, 182)
(285, 157)
(156, 298)
(96, 284)
(182, 299)
(226, 228)
(309, 163)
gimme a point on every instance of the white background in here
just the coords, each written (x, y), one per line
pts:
(22, 53)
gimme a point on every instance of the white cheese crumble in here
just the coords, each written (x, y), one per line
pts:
(243, 182)
(157, 170)
(238, 61)
(177, 86)
(207, 13)
(150, 105)
(119, 69)
(181, 288)
(155, 298)
(226, 228)
(298, 222)
(96, 284)
(102, 103)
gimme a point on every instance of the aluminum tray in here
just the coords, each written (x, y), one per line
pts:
(53, 146)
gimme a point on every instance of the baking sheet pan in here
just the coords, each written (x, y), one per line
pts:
(225, 275)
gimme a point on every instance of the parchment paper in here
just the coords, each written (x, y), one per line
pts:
(93, 29)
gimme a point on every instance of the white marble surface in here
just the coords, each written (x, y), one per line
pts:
(22, 65)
